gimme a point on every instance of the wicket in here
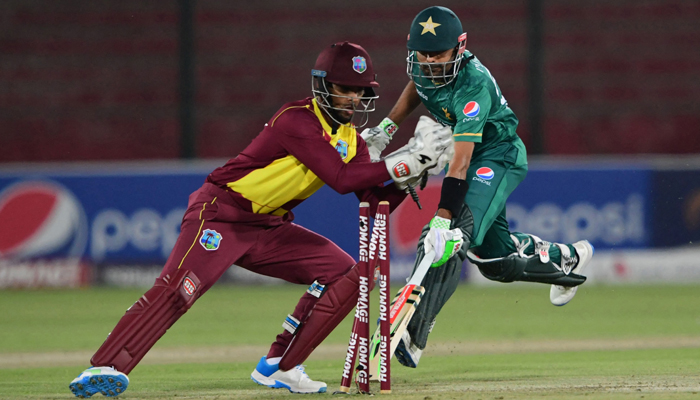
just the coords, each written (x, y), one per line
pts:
(373, 260)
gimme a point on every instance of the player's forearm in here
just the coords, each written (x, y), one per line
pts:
(458, 169)
(352, 177)
(461, 159)
(323, 160)
(407, 102)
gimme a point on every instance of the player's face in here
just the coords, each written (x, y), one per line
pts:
(349, 101)
(437, 61)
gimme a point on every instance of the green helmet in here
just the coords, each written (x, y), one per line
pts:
(434, 30)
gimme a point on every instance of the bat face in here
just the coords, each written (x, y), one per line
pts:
(402, 309)
(400, 300)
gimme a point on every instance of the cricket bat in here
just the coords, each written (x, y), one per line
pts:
(403, 306)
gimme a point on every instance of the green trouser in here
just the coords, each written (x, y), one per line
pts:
(484, 225)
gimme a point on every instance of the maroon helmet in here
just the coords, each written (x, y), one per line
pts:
(345, 64)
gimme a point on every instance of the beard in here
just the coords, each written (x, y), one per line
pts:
(340, 116)
(432, 70)
(436, 72)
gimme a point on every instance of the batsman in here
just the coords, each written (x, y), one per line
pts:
(242, 215)
(489, 162)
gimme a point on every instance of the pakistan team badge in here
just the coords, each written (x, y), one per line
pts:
(429, 26)
(342, 148)
(359, 64)
(210, 239)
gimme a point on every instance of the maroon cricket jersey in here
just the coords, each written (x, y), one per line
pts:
(295, 155)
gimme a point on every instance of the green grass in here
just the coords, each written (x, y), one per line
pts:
(506, 330)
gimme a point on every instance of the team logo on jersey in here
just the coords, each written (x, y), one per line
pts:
(342, 148)
(210, 239)
(471, 109)
(485, 173)
(359, 64)
(447, 113)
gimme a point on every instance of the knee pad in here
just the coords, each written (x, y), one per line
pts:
(530, 268)
(439, 283)
(336, 301)
(147, 320)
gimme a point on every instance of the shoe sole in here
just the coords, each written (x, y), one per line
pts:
(106, 384)
(566, 295)
(402, 357)
(262, 380)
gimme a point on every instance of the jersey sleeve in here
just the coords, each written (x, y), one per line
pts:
(303, 138)
(471, 107)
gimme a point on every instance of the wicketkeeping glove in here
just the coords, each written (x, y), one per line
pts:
(430, 141)
(446, 242)
(378, 138)
(443, 160)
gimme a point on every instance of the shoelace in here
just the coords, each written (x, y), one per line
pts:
(303, 376)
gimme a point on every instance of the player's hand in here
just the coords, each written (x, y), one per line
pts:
(443, 160)
(428, 126)
(431, 140)
(378, 138)
(445, 241)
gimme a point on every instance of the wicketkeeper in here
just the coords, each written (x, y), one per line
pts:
(242, 215)
(488, 164)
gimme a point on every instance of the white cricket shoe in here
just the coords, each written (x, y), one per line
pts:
(295, 379)
(407, 353)
(560, 295)
(105, 380)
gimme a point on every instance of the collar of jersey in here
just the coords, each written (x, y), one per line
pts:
(319, 115)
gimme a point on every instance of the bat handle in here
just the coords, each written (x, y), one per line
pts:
(422, 270)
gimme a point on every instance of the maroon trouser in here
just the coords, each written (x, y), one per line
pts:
(264, 244)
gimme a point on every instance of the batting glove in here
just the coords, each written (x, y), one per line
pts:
(445, 241)
(378, 138)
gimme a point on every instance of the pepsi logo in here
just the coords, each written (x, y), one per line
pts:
(471, 109)
(189, 286)
(41, 218)
(485, 173)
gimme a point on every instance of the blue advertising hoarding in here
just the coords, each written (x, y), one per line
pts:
(103, 215)
(132, 215)
(609, 207)
(676, 214)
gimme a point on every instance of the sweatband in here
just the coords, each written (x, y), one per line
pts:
(452, 195)
(388, 126)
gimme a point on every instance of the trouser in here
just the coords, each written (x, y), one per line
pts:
(492, 178)
(286, 251)
(216, 234)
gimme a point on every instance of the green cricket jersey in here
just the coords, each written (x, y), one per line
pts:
(473, 106)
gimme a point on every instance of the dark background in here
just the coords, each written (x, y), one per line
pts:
(104, 80)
